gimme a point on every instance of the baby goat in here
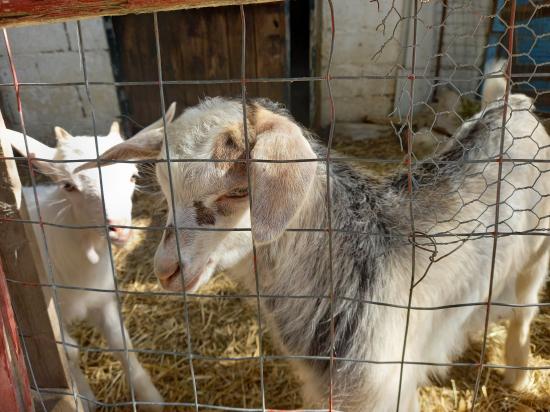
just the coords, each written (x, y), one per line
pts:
(80, 257)
(453, 205)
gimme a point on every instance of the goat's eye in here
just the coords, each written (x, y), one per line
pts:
(69, 187)
(237, 193)
(134, 178)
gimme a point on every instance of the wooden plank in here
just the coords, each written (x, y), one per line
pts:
(216, 53)
(199, 45)
(135, 43)
(33, 304)
(234, 44)
(26, 12)
(14, 383)
(270, 49)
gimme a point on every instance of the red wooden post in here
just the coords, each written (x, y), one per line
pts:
(15, 393)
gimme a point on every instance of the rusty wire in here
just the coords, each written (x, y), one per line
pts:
(417, 240)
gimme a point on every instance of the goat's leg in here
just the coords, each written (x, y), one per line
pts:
(410, 402)
(409, 395)
(83, 387)
(528, 285)
(109, 323)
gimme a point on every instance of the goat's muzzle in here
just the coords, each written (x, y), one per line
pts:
(170, 277)
(118, 235)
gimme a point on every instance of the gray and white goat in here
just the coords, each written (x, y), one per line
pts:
(80, 258)
(453, 203)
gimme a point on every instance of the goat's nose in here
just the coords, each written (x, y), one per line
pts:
(114, 226)
(116, 233)
(165, 269)
(168, 235)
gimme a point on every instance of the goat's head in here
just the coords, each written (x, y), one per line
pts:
(80, 191)
(214, 194)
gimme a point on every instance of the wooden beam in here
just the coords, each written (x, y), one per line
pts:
(14, 383)
(27, 12)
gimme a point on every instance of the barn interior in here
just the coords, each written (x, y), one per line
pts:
(288, 55)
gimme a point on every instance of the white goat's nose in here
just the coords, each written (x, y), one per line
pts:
(119, 235)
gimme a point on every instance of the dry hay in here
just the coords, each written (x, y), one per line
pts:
(222, 326)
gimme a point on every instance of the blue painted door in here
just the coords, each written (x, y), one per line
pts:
(531, 51)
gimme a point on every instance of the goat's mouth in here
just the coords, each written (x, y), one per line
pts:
(174, 282)
(119, 242)
(119, 236)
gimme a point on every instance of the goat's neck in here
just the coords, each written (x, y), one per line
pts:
(299, 263)
(356, 201)
(55, 210)
(353, 208)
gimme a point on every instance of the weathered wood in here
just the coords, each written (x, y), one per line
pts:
(270, 51)
(33, 304)
(54, 402)
(199, 45)
(27, 12)
(14, 383)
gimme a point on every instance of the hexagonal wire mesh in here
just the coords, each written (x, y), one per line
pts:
(457, 200)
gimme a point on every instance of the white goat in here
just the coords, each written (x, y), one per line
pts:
(80, 257)
(453, 204)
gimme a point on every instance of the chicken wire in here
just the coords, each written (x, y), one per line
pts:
(470, 71)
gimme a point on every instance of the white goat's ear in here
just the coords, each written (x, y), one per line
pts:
(278, 189)
(36, 150)
(168, 115)
(61, 134)
(144, 145)
(115, 129)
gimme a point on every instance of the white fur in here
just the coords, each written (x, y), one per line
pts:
(434, 335)
(80, 257)
(494, 87)
(462, 201)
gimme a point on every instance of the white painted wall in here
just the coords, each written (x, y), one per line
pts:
(49, 53)
(357, 40)
(464, 42)
(359, 35)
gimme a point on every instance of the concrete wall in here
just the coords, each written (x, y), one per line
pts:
(359, 35)
(358, 38)
(49, 53)
(464, 42)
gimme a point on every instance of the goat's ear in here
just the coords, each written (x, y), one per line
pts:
(278, 189)
(36, 149)
(168, 115)
(115, 129)
(144, 145)
(61, 134)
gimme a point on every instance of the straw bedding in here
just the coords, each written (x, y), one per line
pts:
(222, 326)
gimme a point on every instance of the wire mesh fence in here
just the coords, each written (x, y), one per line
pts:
(433, 56)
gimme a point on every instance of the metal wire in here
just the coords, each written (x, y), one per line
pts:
(328, 199)
(82, 53)
(31, 373)
(271, 296)
(417, 240)
(435, 162)
(253, 80)
(250, 203)
(410, 189)
(173, 203)
(511, 25)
